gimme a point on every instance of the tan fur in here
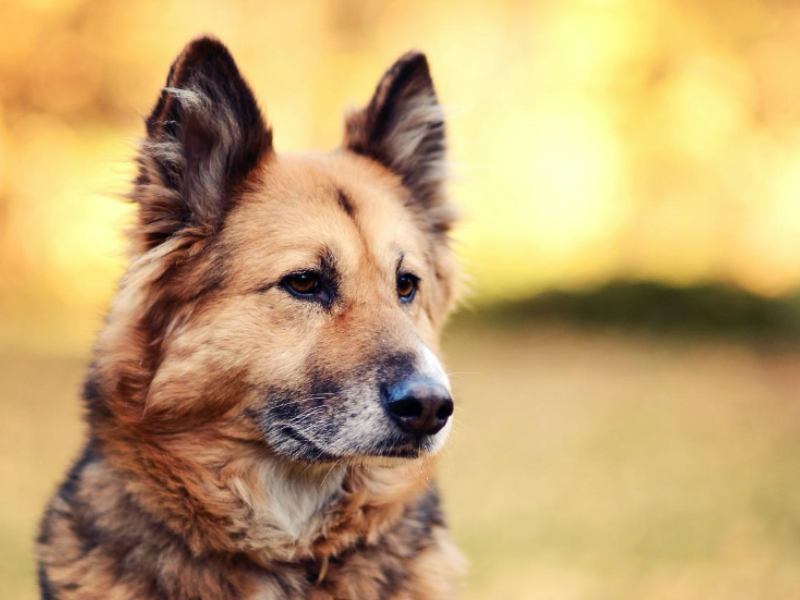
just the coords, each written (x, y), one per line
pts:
(188, 487)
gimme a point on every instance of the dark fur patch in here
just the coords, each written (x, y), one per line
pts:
(97, 409)
(45, 589)
(346, 204)
(67, 490)
(428, 510)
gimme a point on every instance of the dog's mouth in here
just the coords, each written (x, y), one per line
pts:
(303, 448)
(295, 445)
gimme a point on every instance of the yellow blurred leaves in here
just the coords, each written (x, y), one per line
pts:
(64, 225)
(593, 138)
(709, 101)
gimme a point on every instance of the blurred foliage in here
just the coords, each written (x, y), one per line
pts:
(592, 139)
(654, 307)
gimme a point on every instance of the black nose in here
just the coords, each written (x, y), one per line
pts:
(419, 405)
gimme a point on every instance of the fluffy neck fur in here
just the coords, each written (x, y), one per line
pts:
(221, 494)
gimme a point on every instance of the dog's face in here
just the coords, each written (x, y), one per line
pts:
(334, 310)
(328, 312)
(302, 295)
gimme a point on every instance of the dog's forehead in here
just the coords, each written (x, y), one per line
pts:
(300, 205)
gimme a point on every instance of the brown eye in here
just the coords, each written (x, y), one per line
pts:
(302, 283)
(407, 287)
(310, 286)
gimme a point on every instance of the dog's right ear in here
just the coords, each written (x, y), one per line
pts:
(204, 136)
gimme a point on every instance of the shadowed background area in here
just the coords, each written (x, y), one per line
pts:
(627, 369)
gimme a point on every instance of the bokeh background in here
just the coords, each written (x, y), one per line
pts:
(627, 362)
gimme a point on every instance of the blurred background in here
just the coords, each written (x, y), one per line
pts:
(627, 364)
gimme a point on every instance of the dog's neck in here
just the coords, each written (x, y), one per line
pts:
(226, 495)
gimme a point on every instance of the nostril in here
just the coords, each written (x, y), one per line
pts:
(406, 408)
(445, 410)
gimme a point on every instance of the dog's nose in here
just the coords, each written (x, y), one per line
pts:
(419, 405)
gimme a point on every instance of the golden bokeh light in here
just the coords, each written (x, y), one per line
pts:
(590, 139)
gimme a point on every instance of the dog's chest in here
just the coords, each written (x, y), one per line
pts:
(287, 514)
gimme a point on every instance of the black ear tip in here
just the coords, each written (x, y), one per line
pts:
(201, 52)
(409, 74)
(205, 47)
(415, 56)
(412, 61)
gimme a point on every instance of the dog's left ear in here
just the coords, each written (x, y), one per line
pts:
(403, 129)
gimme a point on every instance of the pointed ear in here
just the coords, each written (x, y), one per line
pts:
(403, 129)
(204, 136)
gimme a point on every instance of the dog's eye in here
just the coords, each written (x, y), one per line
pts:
(303, 283)
(407, 286)
(307, 285)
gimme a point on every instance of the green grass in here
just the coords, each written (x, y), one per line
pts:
(582, 465)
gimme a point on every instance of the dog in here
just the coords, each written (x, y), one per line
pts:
(265, 399)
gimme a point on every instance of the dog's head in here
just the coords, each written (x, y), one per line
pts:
(300, 296)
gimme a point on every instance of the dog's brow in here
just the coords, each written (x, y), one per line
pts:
(345, 203)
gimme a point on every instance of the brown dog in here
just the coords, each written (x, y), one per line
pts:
(265, 398)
